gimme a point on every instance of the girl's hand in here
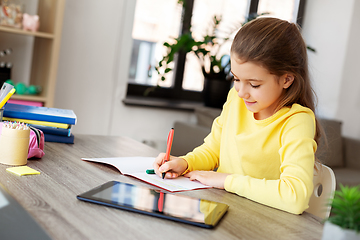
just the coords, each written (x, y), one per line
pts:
(210, 178)
(173, 168)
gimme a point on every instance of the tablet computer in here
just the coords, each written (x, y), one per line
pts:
(194, 211)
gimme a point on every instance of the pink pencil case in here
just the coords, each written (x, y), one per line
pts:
(36, 143)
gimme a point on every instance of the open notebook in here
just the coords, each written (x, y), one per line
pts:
(136, 167)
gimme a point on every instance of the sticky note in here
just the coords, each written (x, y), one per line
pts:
(23, 170)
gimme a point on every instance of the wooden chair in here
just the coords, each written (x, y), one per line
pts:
(324, 188)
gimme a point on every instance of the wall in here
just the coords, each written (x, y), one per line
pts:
(332, 28)
(95, 55)
(349, 98)
(328, 34)
(93, 72)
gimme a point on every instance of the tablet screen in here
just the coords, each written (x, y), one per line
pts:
(152, 202)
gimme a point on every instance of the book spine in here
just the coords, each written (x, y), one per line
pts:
(27, 103)
(43, 123)
(58, 138)
(53, 130)
(40, 113)
(38, 117)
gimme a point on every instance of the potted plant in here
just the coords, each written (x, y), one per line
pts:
(215, 67)
(344, 221)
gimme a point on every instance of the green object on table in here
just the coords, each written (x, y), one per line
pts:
(150, 171)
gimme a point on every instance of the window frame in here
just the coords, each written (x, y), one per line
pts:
(176, 92)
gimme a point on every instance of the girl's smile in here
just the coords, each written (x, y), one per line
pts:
(249, 103)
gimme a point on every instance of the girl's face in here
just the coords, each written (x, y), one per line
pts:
(259, 89)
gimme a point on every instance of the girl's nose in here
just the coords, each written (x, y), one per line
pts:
(242, 91)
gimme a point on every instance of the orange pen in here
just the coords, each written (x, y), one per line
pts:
(161, 202)
(168, 148)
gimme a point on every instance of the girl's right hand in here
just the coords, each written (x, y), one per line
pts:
(173, 168)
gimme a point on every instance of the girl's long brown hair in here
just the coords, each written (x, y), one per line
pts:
(278, 46)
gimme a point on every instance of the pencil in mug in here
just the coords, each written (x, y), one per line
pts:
(6, 98)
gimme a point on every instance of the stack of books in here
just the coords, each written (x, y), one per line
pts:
(55, 123)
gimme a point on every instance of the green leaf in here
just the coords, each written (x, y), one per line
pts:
(345, 208)
(206, 50)
(171, 58)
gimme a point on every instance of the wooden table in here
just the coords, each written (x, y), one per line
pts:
(51, 199)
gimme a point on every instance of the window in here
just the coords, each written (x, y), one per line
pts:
(154, 22)
(157, 21)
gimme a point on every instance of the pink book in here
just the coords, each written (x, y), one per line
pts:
(24, 102)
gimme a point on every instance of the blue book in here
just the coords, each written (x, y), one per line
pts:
(56, 115)
(58, 138)
(53, 130)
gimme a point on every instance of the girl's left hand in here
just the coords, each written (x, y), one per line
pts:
(210, 178)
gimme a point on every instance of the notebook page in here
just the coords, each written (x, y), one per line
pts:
(137, 166)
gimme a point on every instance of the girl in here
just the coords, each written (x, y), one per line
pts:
(264, 141)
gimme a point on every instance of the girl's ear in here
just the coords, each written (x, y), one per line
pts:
(288, 80)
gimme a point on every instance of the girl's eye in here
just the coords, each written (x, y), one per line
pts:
(238, 80)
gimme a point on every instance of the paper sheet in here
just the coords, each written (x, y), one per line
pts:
(137, 166)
